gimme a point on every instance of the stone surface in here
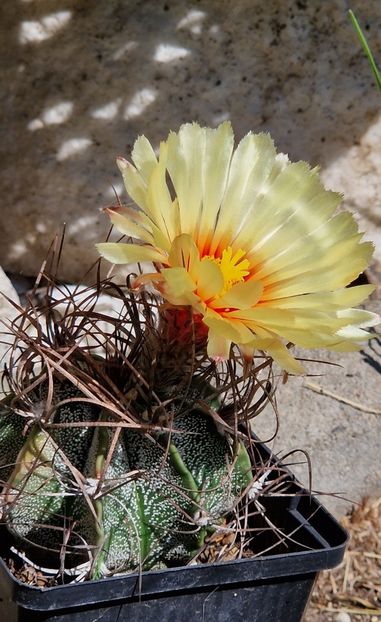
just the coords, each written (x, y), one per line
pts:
(83, 79)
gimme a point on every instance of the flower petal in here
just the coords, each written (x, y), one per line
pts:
(251, 165)
(178, 287)
(223, 328)
(210, 280)
(184, 162)
(298, 236)
(219, 145)
(125, 225)
(134, 183)
(159, 202)
(232, 330)
(356, 320)
(268, 317)
(129, 253)
(359, 316)
(321, 278)
(287, 199)
(144, 158)
(240, 296)
(184, 253)
(345, 297)
(319, 251)
(285, 360)
(218, 347)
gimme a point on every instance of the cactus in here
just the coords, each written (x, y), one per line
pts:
(141, 493)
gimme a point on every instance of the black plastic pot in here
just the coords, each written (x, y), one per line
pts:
(273, 587)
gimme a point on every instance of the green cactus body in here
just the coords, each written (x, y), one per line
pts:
(11, 439)
(39, 489)
(34, 491)
(146, 518)
(221, 470)
(152, 505)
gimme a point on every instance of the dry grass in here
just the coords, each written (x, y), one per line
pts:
(352, 592)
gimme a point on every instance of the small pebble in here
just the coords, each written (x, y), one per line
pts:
(343, 617)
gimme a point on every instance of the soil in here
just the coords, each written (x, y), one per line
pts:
(352, 592)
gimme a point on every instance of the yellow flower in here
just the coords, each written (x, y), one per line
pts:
(250, 240)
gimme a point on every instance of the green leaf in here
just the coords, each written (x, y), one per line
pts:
(366, 48)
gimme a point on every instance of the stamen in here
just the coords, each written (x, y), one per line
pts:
(233, 269)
